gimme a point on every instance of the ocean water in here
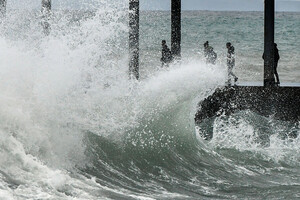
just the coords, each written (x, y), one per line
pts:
(73, 126)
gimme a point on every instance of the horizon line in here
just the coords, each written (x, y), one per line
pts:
(156, 10)
(221, 10)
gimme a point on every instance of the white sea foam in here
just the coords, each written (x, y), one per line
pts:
(55, 89)
(269, 138)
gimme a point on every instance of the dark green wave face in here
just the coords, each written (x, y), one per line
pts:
(247, 158)
(73, 126)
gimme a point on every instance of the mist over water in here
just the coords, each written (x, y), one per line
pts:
(74, 126)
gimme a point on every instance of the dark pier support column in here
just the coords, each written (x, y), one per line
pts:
(134, 20)
(46, 6)
(176, 28)
(269, 79)
(2, 8)
(46, 13)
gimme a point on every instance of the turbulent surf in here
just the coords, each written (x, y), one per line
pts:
(74, 126)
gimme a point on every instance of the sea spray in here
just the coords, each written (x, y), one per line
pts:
(73, 125)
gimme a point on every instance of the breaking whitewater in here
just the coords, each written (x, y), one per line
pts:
(73, 126)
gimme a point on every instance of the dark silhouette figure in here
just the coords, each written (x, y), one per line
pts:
(230, 63)
(276, 59)
(166, 56)
(209, 54)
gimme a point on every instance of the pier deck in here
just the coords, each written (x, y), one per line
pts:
(260, 84)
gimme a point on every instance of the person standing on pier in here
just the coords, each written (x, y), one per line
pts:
(276, 59)
(230, 63)
(166, 57)
(209, 54)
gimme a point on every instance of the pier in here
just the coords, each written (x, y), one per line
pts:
(266, 99)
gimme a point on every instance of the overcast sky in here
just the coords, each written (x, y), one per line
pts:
(238, 5)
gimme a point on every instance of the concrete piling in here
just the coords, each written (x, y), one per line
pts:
(2, 7)
(176, 28)
(134, 18)
(269, 79)
(46, 13)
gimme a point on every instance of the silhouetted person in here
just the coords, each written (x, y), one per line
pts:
(209, 54)
(230, 63)
(276, 59)
(166, 56)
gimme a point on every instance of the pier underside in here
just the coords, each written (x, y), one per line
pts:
(282, 103)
